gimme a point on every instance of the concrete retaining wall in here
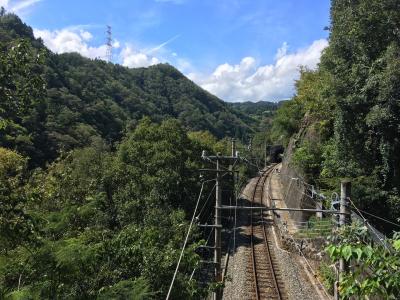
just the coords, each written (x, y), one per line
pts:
(293, 183)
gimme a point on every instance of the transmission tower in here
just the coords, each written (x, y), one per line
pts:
(109, 44)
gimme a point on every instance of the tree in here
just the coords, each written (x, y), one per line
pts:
(21, 89)
(17, 227)
(380, 265)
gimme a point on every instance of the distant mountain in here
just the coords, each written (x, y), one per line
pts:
(256, 108)
(92, 98)
(259, 114)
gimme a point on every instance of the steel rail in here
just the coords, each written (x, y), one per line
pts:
(253, 255)
(275, 280)
(262, 178)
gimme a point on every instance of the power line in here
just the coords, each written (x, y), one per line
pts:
(206, 243)
(186, 240)
(206, 202)
(380, 218)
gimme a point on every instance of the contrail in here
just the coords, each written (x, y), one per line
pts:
(163, 44)
(22, 5)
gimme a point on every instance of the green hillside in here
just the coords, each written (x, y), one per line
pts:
(86, 99)
(260, 108)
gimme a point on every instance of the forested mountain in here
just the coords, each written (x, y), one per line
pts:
(260, 108)
(99, 164)
(86, 99)
(99, 173)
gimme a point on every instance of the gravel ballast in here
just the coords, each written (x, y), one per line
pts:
(238, 282)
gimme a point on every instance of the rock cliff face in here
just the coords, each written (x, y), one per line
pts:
(295, 188)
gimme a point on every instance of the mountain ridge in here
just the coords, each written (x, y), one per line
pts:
(86, 98)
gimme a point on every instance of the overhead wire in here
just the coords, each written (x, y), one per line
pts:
(370, 227)
(206, 243)
(186, 240)
(377, 217)
(206, 202)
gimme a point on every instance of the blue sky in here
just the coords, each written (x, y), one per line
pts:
(236, 49)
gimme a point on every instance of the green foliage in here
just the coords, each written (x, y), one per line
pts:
(257, 109)
(21, 89)
(106, 215)
(16, 225)
(258, 114)
(347, 111)
(328, 276)
(382, 266)
(287, 121)
(308, 159)
(362, 59)
(128, 289)
(315, 227)
(204, 139)
(311, 91)
(109, 223)
(312, 105)
(90, 99)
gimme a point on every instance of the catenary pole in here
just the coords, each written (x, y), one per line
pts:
(217, 250)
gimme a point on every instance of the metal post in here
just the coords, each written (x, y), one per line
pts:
(336, 295)
(318, 205)
(265, 154)
(344, 218)
(217, 251)
(345, 191)
(231, 168)
(233, 147)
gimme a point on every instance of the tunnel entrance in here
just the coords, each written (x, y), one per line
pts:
(275, 153)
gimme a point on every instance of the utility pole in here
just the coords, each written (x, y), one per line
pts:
(219, 160)
(217, 250)
(231, 167)
(344, 218)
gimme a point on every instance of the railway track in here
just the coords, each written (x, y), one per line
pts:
(267, 283)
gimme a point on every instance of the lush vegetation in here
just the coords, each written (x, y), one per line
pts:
(98, 222)
(344, 122)
(260, 116)
(349, 108)
(261, 112)
(98, 173)
(98, 162)
(374, 270)
(92, 99)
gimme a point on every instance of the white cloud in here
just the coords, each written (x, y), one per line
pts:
(135, 58)
(21, 5)
(4, 3)
(75, 39)
(18, 7)
(116, 44)
(247, 81)
(86, 35)
(71, 40)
